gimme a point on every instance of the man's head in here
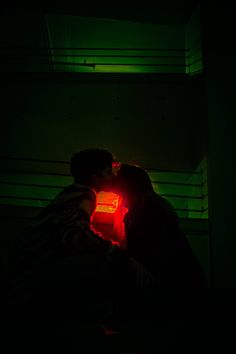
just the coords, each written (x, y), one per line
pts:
(93, 167)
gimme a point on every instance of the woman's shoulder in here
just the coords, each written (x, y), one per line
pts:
(151, 207)
(155, 200)
(144, 208)
(156, 204)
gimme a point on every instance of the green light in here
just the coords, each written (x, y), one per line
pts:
(183, 190)
(84, 44)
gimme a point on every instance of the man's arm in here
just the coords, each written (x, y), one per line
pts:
(78, 234)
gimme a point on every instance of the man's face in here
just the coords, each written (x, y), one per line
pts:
(103, 179)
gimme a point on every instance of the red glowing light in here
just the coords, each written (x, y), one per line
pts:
(108, 217)
(107, 202)
(116, 164)
(115, 167)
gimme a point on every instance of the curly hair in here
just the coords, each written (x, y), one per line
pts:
(87, 162)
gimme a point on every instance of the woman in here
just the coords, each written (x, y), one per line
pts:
(177, 309)
(153, 233)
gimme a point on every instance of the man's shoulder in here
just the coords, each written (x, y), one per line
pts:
(77, 189)
(74, 192)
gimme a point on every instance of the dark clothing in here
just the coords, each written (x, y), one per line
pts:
(64, 271)
(155, 238)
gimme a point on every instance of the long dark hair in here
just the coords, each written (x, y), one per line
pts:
(132, 179)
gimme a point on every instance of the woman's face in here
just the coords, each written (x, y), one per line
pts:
(121, 191)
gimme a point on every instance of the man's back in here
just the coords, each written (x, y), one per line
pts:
(65, 269)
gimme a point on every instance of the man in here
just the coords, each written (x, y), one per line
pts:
(66, 273)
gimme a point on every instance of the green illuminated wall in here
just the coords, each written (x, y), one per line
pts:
(148, 122)
(60, 43)
(193, 40)
(126, 47)
(36, 183)
(53, 116)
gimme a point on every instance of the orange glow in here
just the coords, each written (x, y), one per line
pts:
(107, 202)
(108, 217)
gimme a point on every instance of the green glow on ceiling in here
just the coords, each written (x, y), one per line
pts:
(115, 60)
(83, 44)
(125, 69)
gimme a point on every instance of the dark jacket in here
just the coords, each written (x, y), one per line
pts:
(154, 238)
(64, 269)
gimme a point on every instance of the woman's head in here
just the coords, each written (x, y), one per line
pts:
(131, 182)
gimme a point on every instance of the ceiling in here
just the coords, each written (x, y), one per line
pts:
(165, 12)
